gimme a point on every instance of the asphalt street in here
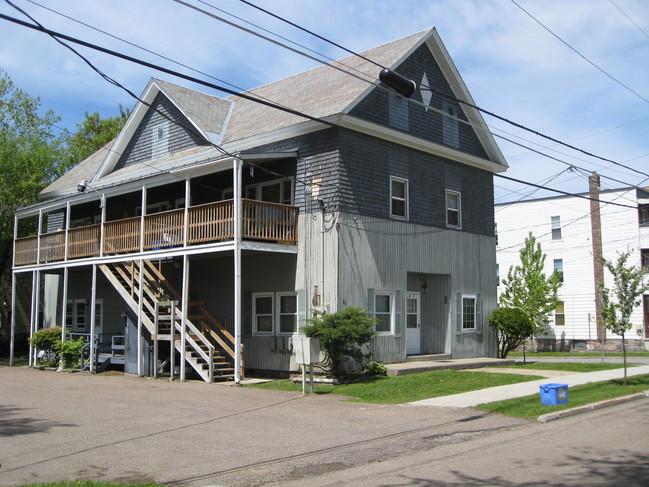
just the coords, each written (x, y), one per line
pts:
(63, 426)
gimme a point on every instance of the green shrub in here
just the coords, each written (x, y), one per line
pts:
(512, 327)
(342, 334)
(376, 368)
(47, 341)
(70, 351)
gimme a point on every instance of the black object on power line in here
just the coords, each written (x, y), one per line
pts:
(400, 83)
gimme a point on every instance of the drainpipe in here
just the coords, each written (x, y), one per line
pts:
(237, 169)
(322, 251)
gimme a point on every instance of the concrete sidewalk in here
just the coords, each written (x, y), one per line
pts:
(500, 393)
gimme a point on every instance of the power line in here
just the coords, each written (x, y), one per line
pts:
(58, 35)
(629, 18)
(451, 97)
(601, 70)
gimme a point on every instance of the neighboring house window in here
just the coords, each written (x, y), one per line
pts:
(556, 227)
(262, 311)
(398, 112)
(383, 312)
(558, 266)
(643, 215)
(398, 198)
(450, 132)
(644, 259)
(276, 191)
(468, 313)
(496, 233)
(560, 314)
(497, 274)
(453, 209)
(274, 313)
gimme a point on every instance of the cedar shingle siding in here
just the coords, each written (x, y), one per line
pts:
(176, 137)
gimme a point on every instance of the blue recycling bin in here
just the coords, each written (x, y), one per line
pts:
(553, 394)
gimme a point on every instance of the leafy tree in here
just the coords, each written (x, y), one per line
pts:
(618, 303)
(342, 334)
(512, 328)
(31, 157)
(94, 133)
(529, 289)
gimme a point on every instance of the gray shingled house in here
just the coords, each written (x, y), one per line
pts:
(220, 224)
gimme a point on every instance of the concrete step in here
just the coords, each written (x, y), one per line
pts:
(428, 358)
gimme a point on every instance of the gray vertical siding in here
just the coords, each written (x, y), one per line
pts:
(379, 254)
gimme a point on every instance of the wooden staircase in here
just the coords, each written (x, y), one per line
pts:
(200, 340)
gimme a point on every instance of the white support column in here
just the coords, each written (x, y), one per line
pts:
(38, 236)
(102, 222)
(15, 238)
(142, 214)
(64, 304)
(13, 319)
(140, 372)
(93, 301)
(188, 195)
(33, 324)
(67, 231)
(237, 169)
(183, 314)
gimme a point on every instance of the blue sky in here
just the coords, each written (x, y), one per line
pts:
(511, 65)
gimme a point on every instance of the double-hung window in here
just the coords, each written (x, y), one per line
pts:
(453, 209)
(556, 227)
(274, 313)
(399, 198)
(468, 313)
(560, 314)
(383, 312)
(450, 129)
(558, 266)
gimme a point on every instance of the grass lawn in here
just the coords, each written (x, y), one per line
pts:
(532, 355)
(531, 407)
(407, 388)
(568, 367)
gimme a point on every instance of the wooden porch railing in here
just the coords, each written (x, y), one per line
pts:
(207, 223)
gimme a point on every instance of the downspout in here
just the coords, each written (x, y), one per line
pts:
(237, 169)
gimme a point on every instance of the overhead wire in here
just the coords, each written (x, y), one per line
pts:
(454, 98)
(58, 35)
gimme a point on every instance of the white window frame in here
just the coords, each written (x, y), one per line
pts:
(270, 295)
(558, 266)
(391, 313)
(283, 198)
(457, 210)
(72, 314)
(405, 199)
(275, 313)
(474, 298)
(562, 315)
(278, 312)
(555, 223)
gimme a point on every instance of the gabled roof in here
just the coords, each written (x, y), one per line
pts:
(326, 92)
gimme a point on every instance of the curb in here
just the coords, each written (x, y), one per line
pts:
(544, 418)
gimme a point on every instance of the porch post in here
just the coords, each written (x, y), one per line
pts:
(38, 236)
(238, 164)
(183, 317)
(102, 222)
(142, 213)
(188, 195)
(13, 318)
(64, 299)
(67, 231)
(139, 315)
(33, 322)
(93, 300)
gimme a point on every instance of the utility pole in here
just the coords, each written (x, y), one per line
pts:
(596, 238)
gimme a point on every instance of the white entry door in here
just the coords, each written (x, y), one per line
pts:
(413, 324)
